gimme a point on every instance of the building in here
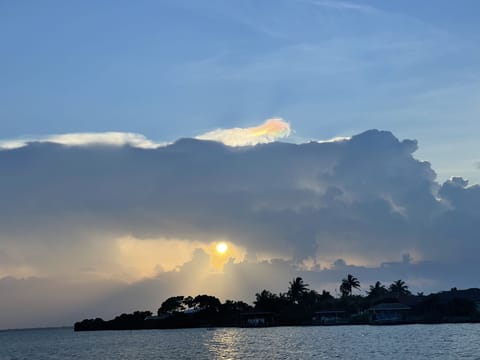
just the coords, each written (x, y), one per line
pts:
(258, 319)
(387, 313)
(329, 317)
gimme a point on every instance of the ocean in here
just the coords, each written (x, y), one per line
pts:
(446, 341)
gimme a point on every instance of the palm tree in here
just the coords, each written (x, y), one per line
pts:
(399, 288)
(377, 290)
(296, 290)
(348, 284)
(266, 301)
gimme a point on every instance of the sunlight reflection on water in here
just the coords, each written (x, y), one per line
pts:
(341, 342)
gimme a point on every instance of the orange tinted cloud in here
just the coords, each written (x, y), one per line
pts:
(270, 131)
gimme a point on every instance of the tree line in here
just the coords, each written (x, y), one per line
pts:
(296, 306)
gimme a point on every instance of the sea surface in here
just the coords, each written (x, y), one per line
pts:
(457, 341)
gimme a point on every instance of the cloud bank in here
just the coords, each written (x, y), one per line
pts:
(86, 139)
(143, 219)
(270, 131)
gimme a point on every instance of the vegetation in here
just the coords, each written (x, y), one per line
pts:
(348, 284)
(377, 291)
(301, 306)
(297, 290)
(399, 289)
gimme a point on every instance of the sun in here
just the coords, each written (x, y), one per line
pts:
(221, 248)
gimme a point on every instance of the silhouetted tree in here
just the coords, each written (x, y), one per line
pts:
(268, 301)
(235, 306)
(377, 291)
(399, 288)
(297, 289)
(206, 302)
(325, 295)
(264, 299)
(171, 305)
(188, 302)
(348, 284)
(310, 299)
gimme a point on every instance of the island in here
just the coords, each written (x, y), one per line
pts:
(300, 306)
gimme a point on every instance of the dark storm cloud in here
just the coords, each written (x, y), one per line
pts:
(366, 196)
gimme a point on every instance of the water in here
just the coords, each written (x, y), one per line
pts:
(458, 341)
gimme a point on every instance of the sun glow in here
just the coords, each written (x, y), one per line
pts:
(221, 248)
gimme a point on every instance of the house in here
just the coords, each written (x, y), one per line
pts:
(161, 316)
(388, 313)
(329, 317)
(258, 319)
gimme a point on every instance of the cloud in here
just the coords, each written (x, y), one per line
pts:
(270, 131)
(335, 139)
(126, 214)
(281, 199)
(86, 139)
(343, 5)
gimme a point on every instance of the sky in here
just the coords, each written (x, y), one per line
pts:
(314, 137)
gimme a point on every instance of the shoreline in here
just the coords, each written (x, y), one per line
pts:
(213, 327)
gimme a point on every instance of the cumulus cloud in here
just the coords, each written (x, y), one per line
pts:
(96, 213)
(270, 131)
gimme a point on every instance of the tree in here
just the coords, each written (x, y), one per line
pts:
(348, 284)
(399, 288)
(235, 306)
(377, 291)
(310, 299)
(188, 302)
(207, 302)
(461, 307)
(171, 305)
(268, 301)
(325, 295)
(297, 290)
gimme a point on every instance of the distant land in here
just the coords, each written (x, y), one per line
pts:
(381, 305)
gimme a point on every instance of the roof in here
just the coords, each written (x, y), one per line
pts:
(390, 306)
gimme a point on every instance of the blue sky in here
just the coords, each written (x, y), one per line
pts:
(170, 69)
